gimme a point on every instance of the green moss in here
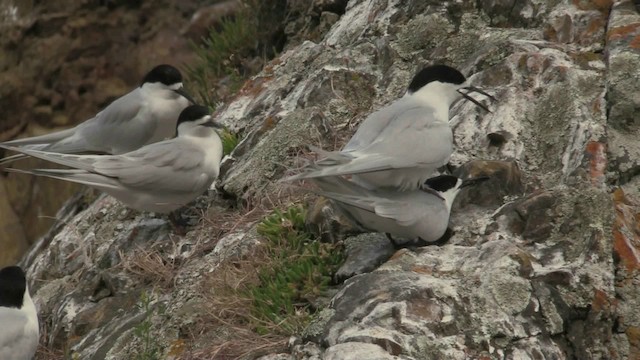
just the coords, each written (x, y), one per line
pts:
(229, 141)
(300, 269)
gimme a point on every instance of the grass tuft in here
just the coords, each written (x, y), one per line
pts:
(236, 49)
(272, 293)
(218, 54)
(229, 141)
(300, 271)
(150, 349)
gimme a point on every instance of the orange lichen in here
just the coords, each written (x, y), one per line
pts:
(597, 154)
(269, 123)
(635, 43)
(626, 236)
(622, 31)
(422, 270)
(601, 302)
(601, 5)
(633, 335)
(254, 86)
(596, 25)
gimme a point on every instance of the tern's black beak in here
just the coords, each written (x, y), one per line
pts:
(471, 89)
(186, 95)
(473, 181)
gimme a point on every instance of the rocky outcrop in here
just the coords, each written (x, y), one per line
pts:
(542, 262)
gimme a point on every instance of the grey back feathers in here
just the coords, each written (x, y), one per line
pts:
(13, 284)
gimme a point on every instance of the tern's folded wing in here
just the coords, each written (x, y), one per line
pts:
(405, 212)
(415, 137)
(165, 166)
(121, 126)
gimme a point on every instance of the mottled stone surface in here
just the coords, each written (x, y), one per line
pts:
(623, 48)
(365, 253)
(545, 267)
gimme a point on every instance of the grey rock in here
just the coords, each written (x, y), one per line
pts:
(507, 13)
(623, 82)
(308, 351)
(356, 351)
(364, 253)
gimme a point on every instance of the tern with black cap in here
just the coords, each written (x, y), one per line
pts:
(160, 177)
(402, 144)
(145, 115)
(416, 214)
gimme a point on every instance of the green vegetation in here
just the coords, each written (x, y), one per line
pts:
(151, 349)
(218, 54)
(229, 141)
(249, 36)
(299, 271)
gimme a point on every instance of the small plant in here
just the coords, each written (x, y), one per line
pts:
(229, 141)
(252, 36)
(220, 53)
(264, 298)
(151, 349)
(300, 271)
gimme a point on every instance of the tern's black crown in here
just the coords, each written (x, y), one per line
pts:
(442, 73)
(12, 286)
(193, 112)
(442, 183)
(165, 74)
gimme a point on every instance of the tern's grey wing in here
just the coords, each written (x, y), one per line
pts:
(414, 137)
(84, 162)
(12, 332)
(407, 208)
(339, 185)
(371, 127)
(120, 127)
(172, 165)
(361, 202)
